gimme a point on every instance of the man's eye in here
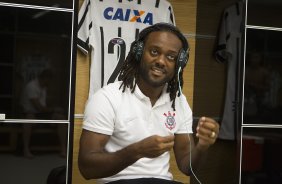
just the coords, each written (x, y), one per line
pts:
(154, 52)
(171, 57)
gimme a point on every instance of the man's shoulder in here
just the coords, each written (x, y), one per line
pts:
(112, 90)
(112, 87)
(109, 94)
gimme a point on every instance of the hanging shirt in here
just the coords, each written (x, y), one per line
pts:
(108, 27)
(229, 51)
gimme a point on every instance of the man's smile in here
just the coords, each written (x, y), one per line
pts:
(158, 71)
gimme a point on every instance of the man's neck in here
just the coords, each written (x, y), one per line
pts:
(151, 92)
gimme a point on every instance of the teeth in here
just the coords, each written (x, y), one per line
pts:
(158, 70)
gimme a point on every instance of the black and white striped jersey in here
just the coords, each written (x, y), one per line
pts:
(108, 27)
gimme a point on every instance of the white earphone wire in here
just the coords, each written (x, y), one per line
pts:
(190, 143)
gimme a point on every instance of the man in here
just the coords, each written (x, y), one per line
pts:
(131, 125)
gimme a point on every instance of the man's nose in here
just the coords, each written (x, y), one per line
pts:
(161, 60)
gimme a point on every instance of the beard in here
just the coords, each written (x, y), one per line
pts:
(150, 79)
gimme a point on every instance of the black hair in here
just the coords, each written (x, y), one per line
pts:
(129, 73)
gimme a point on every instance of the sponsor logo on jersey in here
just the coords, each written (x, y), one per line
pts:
(170, 121)
(128, 15)
(117, 41)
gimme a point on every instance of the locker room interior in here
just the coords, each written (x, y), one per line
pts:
(205, 82)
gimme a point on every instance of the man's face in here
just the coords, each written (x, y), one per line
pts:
(159, 58)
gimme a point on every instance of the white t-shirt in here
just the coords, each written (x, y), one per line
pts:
(128, 118)
(108, 27)
(33, 91)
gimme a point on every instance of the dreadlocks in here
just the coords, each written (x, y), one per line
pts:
(129, 73)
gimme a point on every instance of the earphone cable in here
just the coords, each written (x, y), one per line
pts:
(190, 143)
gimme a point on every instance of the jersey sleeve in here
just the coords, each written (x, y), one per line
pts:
(99, 114)
(222, 53)
(84, 27)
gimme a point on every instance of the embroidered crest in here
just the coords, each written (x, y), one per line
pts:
(170, 121)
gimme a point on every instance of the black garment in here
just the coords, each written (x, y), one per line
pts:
(145, 181)
(57, 175)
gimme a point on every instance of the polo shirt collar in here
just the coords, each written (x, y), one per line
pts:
(164, 98)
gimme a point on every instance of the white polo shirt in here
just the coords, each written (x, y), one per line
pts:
(128, 118)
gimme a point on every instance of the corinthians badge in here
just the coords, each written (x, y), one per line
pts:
(170, 121)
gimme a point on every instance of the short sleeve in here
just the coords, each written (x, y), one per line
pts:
(99, 114)
(187, 120)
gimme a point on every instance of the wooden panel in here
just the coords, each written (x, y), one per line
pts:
(185, 14)
(188, 75)
(82, 81)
